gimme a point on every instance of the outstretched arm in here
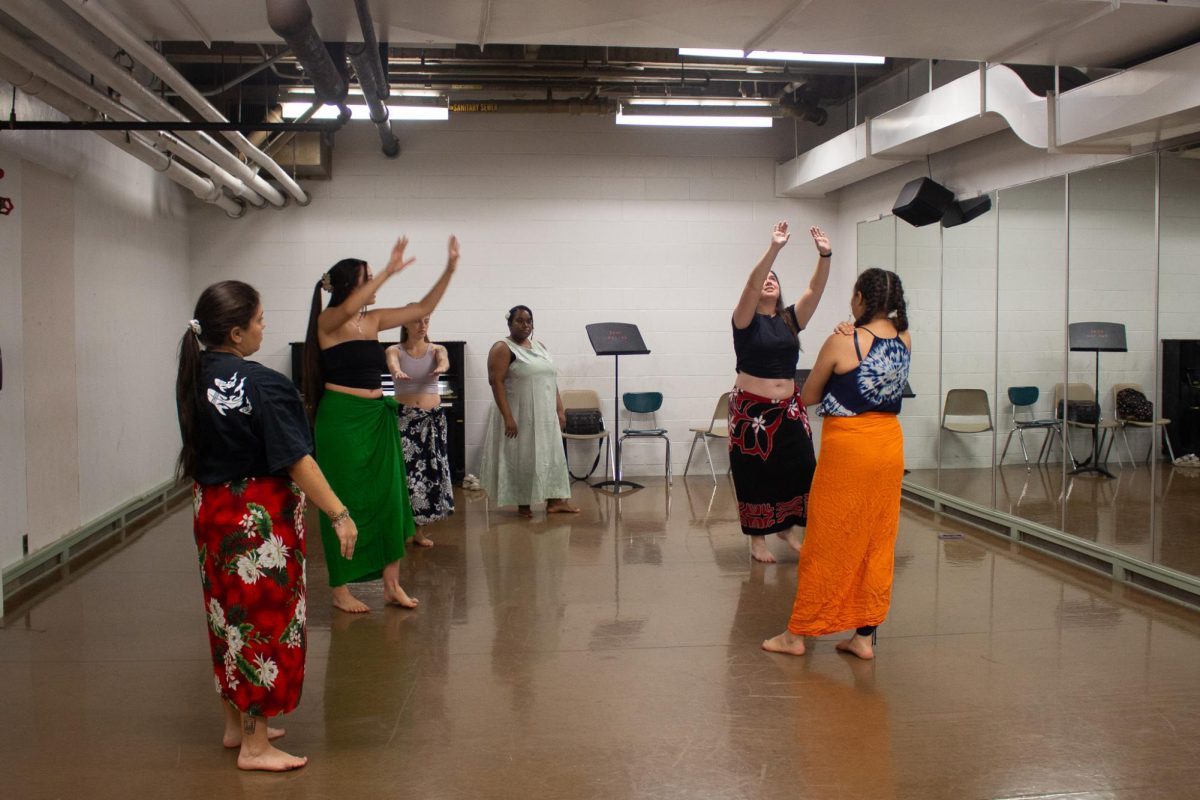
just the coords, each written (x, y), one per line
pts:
(743, 313)
(392, 356)
(334, 317)
(387, 318)
(807, 304)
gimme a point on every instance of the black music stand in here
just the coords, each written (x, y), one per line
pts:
(616, 339)
(1093, 337)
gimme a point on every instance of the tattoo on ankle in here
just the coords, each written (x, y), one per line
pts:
(248, 724)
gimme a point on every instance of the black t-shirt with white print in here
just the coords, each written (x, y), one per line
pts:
(252, 421)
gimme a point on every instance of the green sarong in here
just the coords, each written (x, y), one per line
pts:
(358, 449)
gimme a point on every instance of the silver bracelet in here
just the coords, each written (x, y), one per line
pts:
(340, 517)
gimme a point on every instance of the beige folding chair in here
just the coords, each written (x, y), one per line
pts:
(1075, 392)
(588, 399)
(717, 428)
(965, 411)
(1159, 424)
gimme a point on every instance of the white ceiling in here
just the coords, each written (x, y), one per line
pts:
(1082, 33)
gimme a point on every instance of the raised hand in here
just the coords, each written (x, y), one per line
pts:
(821, 241)
(452, 252)
(780, 234)
(397, 261)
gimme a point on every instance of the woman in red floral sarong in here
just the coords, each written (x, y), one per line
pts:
(247, 446)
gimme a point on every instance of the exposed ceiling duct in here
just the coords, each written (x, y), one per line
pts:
(292, 20)
(365, 58)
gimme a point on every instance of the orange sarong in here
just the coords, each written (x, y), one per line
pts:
(845, 573)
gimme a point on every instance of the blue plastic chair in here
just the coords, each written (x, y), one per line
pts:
(639, 405)
(1023, 399)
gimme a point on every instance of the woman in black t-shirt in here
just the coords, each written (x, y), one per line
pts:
(247, 446)
(770, 442)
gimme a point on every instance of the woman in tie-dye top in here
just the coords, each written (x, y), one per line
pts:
(845, 573)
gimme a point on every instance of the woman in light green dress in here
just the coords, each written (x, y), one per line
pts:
(523, 457)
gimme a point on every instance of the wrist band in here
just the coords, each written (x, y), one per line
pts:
(825, 255)
(339, 517)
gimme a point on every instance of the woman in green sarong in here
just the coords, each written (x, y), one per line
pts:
(523, 457)
(357, 441)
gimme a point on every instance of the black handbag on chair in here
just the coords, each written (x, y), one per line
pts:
(584, 421)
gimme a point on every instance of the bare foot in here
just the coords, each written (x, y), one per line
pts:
(525, 511)
(858, 646)
(560, 507)
(396, 596)
(791, 538)
(420, 539)
(270, 760)
(787, 643)
(759, 550)
(344, 601)
(233, 736)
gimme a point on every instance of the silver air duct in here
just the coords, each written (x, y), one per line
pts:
(292, 20)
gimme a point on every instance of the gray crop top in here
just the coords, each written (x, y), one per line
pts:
(420, 370)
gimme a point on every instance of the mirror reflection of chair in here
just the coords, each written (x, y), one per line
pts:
(1153, 424)
(965, 411)
(588, 400)
(641, 405)
(1083, 393)
(1024, 418)
(717, 428)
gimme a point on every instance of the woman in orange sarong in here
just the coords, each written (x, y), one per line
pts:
(845, 574)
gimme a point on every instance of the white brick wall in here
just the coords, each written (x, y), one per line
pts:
(576, 218)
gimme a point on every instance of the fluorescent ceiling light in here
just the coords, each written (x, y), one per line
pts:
(696, 121)
(293, 110)
(308, 90)
(699, 101)
(781, 55)
(832, 58)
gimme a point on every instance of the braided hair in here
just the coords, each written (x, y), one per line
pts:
(882, 294)
(341, 279)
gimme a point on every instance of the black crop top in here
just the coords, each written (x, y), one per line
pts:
(766, 348)
(252, 421)
(358, 363)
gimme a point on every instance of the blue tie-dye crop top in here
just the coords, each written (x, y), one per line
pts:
(876, 384)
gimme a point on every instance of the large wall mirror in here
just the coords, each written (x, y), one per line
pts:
(1057, 374)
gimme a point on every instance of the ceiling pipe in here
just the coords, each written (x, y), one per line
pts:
(365, 58)
(54, 29)
(46, 69)
(370, 44)
(203, 188)
(150, 58)
(292, 20)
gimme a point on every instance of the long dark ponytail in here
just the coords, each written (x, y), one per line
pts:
(341, 279)
(883, 294)
(221, 308)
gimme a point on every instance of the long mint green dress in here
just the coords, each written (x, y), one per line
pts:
(532, 467)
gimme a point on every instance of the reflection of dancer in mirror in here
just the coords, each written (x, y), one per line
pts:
(247, 446)
(770, 442)
(523, 459)
(358, 443)
(845, 575)
(415, 365)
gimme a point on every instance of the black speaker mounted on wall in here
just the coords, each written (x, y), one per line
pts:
(966, 210)
(922, 202)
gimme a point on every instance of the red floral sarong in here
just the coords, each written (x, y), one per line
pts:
(250, 539)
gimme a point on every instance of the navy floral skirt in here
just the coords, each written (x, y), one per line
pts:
(427, 461)
(772, 461)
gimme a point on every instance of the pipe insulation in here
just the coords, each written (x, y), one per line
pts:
(150, 58)
(292, 20)
(45, 68)
(137, 146)
(45, 21)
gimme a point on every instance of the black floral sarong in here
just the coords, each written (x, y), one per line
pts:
(772, 461)
(427, 461)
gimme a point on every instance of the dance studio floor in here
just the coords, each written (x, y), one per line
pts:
(615, 655)
(1115, 512)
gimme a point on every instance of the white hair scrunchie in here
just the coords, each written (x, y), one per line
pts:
(195, 326)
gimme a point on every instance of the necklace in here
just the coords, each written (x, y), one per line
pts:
(362, 312)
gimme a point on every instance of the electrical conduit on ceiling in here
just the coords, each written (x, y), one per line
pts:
(150, 58)
(55, 30)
